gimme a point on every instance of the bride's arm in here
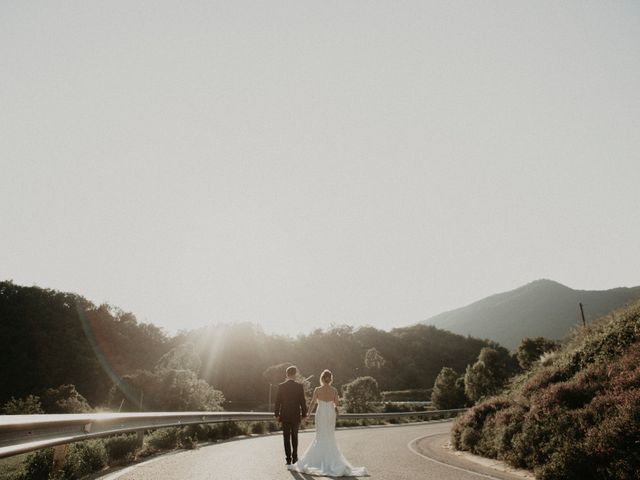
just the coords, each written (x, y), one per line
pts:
(314, 401)
(336, 399)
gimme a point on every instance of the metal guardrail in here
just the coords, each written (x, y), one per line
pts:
(25, 433)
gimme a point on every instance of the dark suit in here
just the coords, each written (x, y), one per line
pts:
(290, 406)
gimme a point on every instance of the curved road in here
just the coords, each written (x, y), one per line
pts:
(405, 452)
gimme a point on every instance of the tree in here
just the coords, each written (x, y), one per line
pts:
(64, 399)
(448, 390)
(478, 382)
(373, 359)
(23, 406)
(182, 357)
(531, 349)
(166, 390)
(276, 373)
(50, 338)
(359, 394)
(488, 375)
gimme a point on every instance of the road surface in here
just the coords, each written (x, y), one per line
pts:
(406, 452)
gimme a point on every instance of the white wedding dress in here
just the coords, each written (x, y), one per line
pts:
(323, 457)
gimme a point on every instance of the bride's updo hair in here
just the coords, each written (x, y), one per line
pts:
(326, 377)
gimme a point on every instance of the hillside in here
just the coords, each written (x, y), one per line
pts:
(45, 342)
(543, 308)
(575, 414)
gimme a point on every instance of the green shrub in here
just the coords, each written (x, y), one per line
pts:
(360, 394)
(508, 424)
(84, 458)
(393, 407)
(121, 448)
(233, 429)
(38, 465)
(347, 423)
(189, 435)
(212, 432)
(163, 439)
(257, 428)
(474, 419)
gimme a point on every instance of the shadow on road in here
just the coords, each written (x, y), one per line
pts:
(304, 476)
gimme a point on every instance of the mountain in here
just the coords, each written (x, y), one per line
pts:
(543, 308)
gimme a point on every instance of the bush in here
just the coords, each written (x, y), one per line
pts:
(575, 416)
(212, 432)
(257, 428)
(347, 423)
(234, 429)
(84, 458)
(359, 394)
(532, 349)
(121, 448)
(395, 407)
(38, 465)
(163, 439)
(189, 435)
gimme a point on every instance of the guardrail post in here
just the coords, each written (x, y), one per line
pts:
(59, 456)
(140, 438)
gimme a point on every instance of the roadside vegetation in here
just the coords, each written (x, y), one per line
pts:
(84, 458)
(573, 413)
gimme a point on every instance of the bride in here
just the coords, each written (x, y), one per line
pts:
(323, 457)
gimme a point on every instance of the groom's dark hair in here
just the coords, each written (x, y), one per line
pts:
(291, 371)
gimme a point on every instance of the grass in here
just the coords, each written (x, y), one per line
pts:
(12, 466)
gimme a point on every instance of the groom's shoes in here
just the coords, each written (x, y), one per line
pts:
(289, 461)
(295, 460)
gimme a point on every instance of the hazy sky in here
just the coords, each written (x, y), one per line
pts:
(298, 163)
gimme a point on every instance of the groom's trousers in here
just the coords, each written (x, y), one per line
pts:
(290, 433)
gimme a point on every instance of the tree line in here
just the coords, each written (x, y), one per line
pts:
(50, 339)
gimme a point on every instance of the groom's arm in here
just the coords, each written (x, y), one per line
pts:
(278, 405)
(303, 402)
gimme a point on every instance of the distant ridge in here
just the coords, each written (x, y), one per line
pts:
(541, 308)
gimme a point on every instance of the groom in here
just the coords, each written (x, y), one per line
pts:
(290, 407)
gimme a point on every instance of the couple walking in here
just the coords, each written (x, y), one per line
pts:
(323, 457)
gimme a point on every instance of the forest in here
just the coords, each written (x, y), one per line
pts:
(51, 339)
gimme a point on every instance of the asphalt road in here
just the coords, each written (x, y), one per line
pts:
(405, 452)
